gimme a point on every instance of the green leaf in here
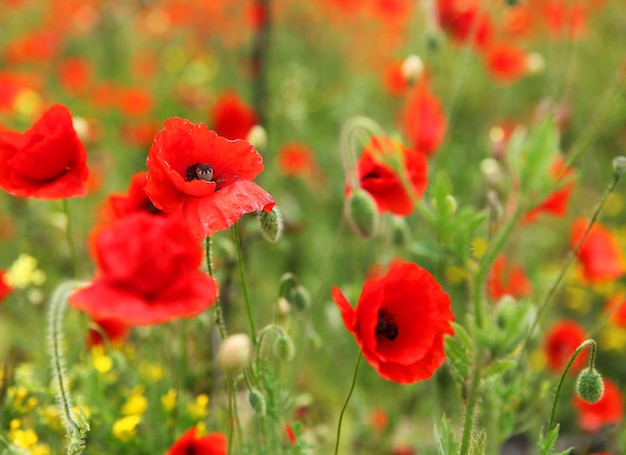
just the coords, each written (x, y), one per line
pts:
(497, 368)
(446, 442)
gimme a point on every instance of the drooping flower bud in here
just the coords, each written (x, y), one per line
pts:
(400, 233)
(589, 385)
(234, 354)
(284, 348)
(619, 166)
(257, 136)
(257, 401)
(271, 224)
(362, 214)
(300, 298)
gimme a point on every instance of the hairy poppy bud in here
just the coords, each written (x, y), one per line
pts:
(590, 386)
(300, 298)
(234, 353)
(400, 233)
(284, 348)
(257, 401)
(362, 214)
(619, 166)
(271, 224)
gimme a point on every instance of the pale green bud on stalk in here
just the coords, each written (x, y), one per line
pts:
(257, 401)
(234, 354)
(412, 68)
(300, 298)
(257, 136)
(271, 224)
(619, 166)
(284, 348)
(361, 214)
(589, 385)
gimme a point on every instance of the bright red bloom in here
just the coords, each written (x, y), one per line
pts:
(147, 273)
(609, 409)
(616, 307)
(5, 289)
(423, 121)
(232, 117)
(135, 102)
(75, 76)
(394, 80)
(400, 322)
(556, 203)
(208, 176)
(506, 62)
(505, 279)
(296, 160)
(135, 200)
(377, 176)
(565, 19)
(46, 162)
(112, 330)
(290, 433)
(562, 339)
(464, 21)
(189, 443)
(600, 254)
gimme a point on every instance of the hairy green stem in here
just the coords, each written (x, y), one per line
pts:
(346, 144)
(592, 361)
(345, 405)
(244, 286)
(219, 314)
(468, 421)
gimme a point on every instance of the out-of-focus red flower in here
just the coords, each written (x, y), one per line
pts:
(296, 160)
(147, 273)
(377, 176)
(134, 102)
(380, 419)
(47, 162)
(562, 339)
(75, 75)
(600, 255)
(518, 21)
(10, 86)
(139, 133)
(565, 19)
(506, 62)
(190, 443)
(616, 307)
(404, 450)
(112, 330)
(290, 433)
(505, 279)
(556, 203)
(394, 80)
(207, 176)
(232, 117)
(465, 22)
(135, 200)
(256, 15)
(391, 11)
(5, 289)
(400, 322)
(423, 120)
(36, 46)
(609, 409)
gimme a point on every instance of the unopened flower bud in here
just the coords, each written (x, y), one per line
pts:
(619, 166)
(257, 401)
(535, 63)
(400, 233)
(362, 213)
(234, 353)
(283, 307)
(589, 385)
(412, 68)
(300, 298)
(284, 348)
(257, 136)
(271, 224)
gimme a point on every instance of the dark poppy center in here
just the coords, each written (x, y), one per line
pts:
(200, 171)
(386, 327)
(190, 450)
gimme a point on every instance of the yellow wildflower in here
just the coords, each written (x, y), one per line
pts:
(198, 409)
(136, 403)
(40, 449)
(126, 427)
(23, 438)
(168, 401)
(24, 273)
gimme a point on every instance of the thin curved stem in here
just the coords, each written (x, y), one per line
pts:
(219, 314)
(242, 274)
(345, 405)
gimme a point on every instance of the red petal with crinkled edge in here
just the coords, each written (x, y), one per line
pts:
(186, 297)
(347, 312)
(206, 216)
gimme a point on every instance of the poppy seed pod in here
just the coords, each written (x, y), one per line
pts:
(361, 214)
(589, 385)
(234, 353)
(271, 224)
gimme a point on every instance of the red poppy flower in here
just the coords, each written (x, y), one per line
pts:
(609, 409)
(112, 330)
(600, 254)
(400, 322)
(506, 62)
(565, 20)
(464, 21)
(562, 339)
(505, 279)
(208, 176)
(5, 289)
(394, 80)
(75, 76)
(296, 160)
(147, 273)
(290, 433)
(135, 200)
(232, 117)
(47, 162)
(189, 443)
(377, 176)
(556, 203)
(423, 121)
(616, 307)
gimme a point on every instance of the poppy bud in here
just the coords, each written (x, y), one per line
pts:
(283, 307)
(300, 298)
(619, 166)
(284, 348)
(257, 136)
(271, 224)
(589, 385)
(257, 401)
(535, 63)
(234, 354)
(400, 233)
(362, 214)
(412, 68)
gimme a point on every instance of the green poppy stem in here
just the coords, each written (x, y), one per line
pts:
(345, 405)
(70, 239)
(219, 314)
(243, 283)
